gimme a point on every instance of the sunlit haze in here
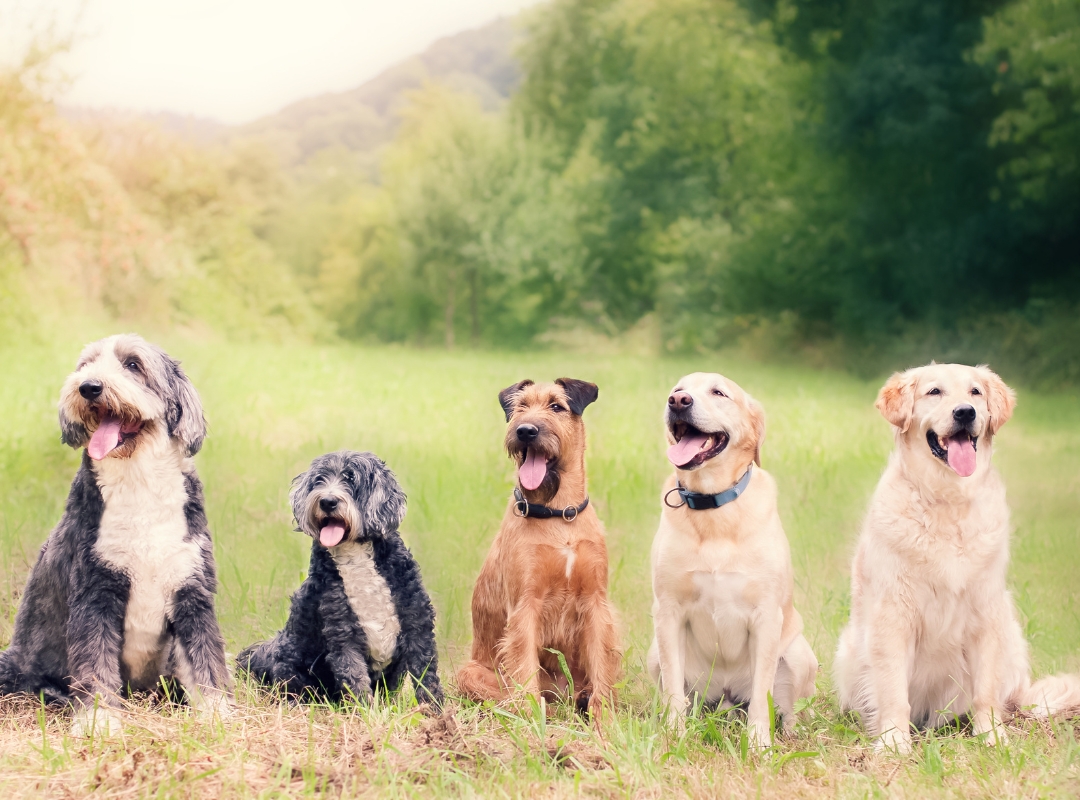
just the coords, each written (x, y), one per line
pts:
(236, 60)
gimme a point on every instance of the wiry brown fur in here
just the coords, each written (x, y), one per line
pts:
(543, 585)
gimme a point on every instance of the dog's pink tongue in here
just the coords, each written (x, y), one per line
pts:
(331, 534)
(105, 438)
(532, 470)
(962, 456)
(683, 452)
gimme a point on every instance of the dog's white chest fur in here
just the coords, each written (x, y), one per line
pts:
(142, 534)
(719, 621)
(370, 599)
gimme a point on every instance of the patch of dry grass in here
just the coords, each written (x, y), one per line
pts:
(271, 749)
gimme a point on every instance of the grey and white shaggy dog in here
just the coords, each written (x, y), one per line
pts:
(362, 621)
(122, 594)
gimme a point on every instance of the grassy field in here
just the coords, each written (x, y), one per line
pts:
(435, 419)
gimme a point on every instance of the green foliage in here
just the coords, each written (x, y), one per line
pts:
(682, 106)
(866, 183)
(123, 223)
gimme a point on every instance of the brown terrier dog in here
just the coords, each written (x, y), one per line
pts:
(543, 586)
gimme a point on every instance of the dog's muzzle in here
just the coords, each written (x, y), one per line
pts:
(959, 447)
(693, 446)
(330, 516)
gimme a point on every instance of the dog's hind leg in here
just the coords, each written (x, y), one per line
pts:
(479, 682)
(10, 673)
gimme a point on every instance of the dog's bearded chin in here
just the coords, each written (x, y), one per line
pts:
(958, 451)
(533, 470)
(109, 434)
(331, 533)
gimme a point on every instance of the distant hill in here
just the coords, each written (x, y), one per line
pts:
(364, 119)
(198, 130)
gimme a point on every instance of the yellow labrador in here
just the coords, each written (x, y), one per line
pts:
(933, 633)
(725, 626)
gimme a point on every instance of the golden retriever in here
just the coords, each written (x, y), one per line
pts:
(933, 634)
(725, 625)
(543, 586)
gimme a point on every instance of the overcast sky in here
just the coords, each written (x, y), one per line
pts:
(236, 60)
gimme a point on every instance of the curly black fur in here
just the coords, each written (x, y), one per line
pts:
(323, 650)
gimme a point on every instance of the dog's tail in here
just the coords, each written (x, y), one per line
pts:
(1053, 695)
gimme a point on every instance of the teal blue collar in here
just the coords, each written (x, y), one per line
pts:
(703, 502)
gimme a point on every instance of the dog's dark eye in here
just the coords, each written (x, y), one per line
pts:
(318, 480)
(133, 365)
(976, 390)
(557, 407)
(349, 477)
(935, 390)
(718, 393)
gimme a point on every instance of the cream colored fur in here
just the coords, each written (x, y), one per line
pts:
(724, 620)
(144, 535)
(933, 633)
(370, 599)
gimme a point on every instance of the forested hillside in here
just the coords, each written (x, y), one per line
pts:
(126, 225)
(863, 182)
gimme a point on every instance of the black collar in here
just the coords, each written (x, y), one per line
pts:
(523, 508)
(703, 502)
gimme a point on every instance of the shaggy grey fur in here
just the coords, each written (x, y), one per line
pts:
(70, 626)
(323, 649)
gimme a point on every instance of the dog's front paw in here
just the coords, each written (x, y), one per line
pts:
(758, 734)
(210, 704)
(100, 721)
(676, 718)
(895, 740)
(675, 707)
(987, 726)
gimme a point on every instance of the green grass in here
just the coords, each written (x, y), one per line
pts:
(435, 419)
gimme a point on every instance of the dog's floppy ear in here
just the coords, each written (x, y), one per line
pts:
(1000, 399)
(383, 506)
(578, 393)
(183, 410)
(507, 395)
(757, 420)
(298, 497)
(896, 400)
(72, 432)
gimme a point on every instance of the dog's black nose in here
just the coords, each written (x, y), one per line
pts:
(328, 504)
(680, 400)
(91, 390)
(527, 433)
(964, 414)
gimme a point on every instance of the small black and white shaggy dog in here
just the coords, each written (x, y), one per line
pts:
(122, 594)
(362, 620)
